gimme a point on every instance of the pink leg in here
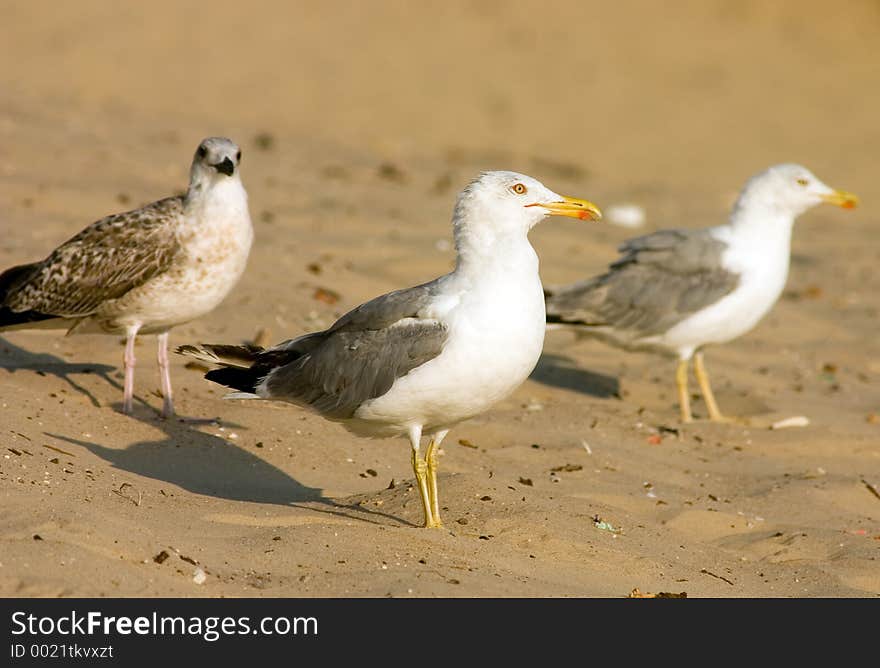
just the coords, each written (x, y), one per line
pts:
(165, 376)
(128, 362)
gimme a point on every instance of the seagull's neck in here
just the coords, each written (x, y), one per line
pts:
(225, 196)
(484, 252)
(754, 222)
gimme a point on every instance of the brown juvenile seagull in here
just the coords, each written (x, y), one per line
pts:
(676, 291)
(420, 360)
(143, 271)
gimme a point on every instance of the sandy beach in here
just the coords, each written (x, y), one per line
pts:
(359, 123)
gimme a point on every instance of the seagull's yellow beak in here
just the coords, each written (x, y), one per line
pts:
(571, 207)
(841, 198)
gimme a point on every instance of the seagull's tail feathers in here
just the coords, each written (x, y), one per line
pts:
(9, 319)
(225, 355)
(241, 368)
(574, 305)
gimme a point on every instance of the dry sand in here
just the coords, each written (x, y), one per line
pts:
(359, 123)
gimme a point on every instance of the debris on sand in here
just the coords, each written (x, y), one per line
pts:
(599, 523)
(121, 493)
(871, 488)
(636, 593)
(326, 295)
(63, 452)
(264, 141)
(391, 172)
(567, 468)
(719, 577)
(796, 421)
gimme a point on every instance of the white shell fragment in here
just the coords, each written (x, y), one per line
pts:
(796, 421)
(625, 215)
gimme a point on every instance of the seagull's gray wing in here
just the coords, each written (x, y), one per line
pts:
(101, 263)
(659, 280)
(337, 370)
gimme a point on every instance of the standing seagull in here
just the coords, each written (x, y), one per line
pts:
(143, 271)
(676, 291)
(420, 360)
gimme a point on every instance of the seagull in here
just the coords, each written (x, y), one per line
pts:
(143, 271)
(420, 360)
(676, 291)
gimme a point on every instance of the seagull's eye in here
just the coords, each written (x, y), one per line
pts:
(202, 152)
(803, 182)
(238, 157)
(519, 189)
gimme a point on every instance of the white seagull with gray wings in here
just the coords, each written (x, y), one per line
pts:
(420, 360)
(675, 291)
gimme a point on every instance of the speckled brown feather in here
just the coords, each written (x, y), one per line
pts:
(103, 262)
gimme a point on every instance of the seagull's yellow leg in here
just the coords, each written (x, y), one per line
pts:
(433, 464)
(684, 398)
(420, 468)
(706, 388)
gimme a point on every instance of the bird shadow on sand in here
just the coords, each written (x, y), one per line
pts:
(563, 372)
(212, 466)
(15, 358)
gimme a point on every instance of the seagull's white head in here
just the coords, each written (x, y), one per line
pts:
(216, 159)
(791, 190)
(502, 203)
